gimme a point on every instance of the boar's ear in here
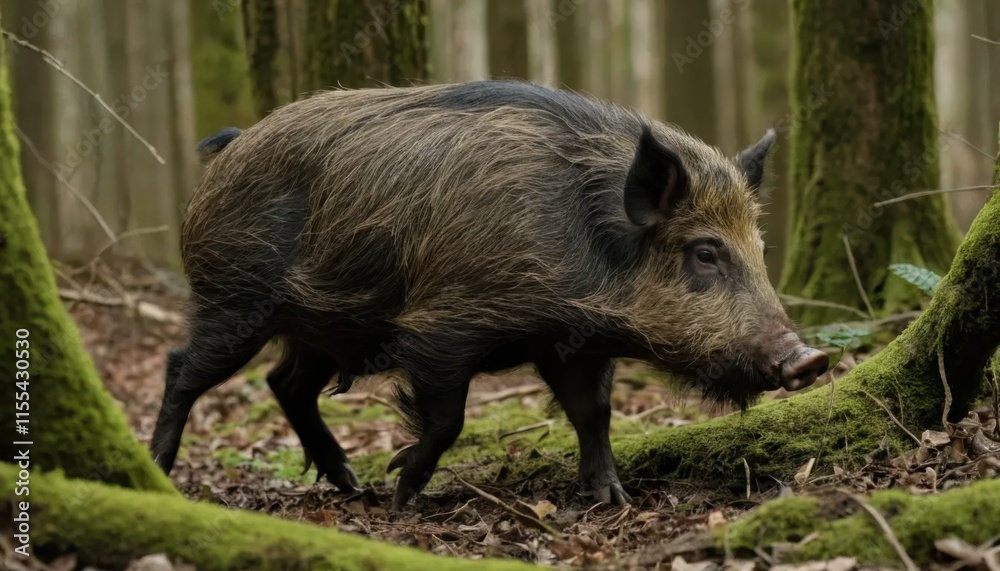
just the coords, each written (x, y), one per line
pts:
(751, 160)
(656, 183)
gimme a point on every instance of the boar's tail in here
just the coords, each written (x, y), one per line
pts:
(211, 145)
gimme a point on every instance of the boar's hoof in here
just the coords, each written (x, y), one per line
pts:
(340, 474)
(412, 479)
(612, 493)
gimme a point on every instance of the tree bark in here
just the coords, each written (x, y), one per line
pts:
(366, 43)
(221, 88)
(73, 424)
(864, 130)
(689, 78)
(771, 47)
(260, 29)
(109, 527)
(507, 23)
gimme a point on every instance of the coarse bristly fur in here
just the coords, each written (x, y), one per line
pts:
(451, 229)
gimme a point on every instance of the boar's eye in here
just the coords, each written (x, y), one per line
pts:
(705, 256)
(706, 260)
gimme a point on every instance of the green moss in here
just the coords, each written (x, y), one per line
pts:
(109, 527)
(971, 513)
(863, 129)
(218, 67)
(74, 424)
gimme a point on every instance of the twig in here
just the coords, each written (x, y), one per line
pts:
(857, 278)
(792, 300)
(649, 412)
(893, 417)
(987, 40)
(947, 388)
(72, 189)
(55, 63)
(870, 323)
(141, 308)
(529, 428)
(746, 467)
(519, 391)
(114, 240)
(973, 147)
(526, 519)
(889, 535)
(920, 193)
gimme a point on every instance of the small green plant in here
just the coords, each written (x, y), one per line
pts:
(923, 278)
(842, 335)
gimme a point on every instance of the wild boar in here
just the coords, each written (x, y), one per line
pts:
(449, 230)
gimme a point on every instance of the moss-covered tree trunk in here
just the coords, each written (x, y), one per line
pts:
(66, 418)
(366, 43)
(864, 130)
(218, 67)
(260, 29)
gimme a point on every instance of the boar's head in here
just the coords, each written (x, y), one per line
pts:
(702, 300)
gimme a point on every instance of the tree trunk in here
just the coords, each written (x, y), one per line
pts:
(567, 17)
(864, 130)
(109, 528)
(690, 77)
(222, 95)
(366, 43)
(260, 29)
(73, 425)
(542, 56)
(507, 21)
(771, 53)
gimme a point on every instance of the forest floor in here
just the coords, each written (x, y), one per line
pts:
(238, 450)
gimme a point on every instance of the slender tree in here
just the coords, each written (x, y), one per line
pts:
(218, 67)
(689, 77)
(864, 130)
(507, 22)
(260, 29)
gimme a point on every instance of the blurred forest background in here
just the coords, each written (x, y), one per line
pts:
(178, 71)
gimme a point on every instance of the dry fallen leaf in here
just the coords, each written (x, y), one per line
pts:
(543, 509)
(716, 519)
(803, 474)
(935, 438)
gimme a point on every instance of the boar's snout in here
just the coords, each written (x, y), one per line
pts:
(801, 368)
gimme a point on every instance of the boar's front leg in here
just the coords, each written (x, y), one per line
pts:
(582, 386)
(297, 382)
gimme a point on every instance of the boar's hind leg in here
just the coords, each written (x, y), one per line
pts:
(213, 354)
(582, 386)
(296, 382)
(435, 409)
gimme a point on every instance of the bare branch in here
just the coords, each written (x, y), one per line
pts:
(857, 278)
(51, 60)
(987, 40)
(72, 189)
(920, 193)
